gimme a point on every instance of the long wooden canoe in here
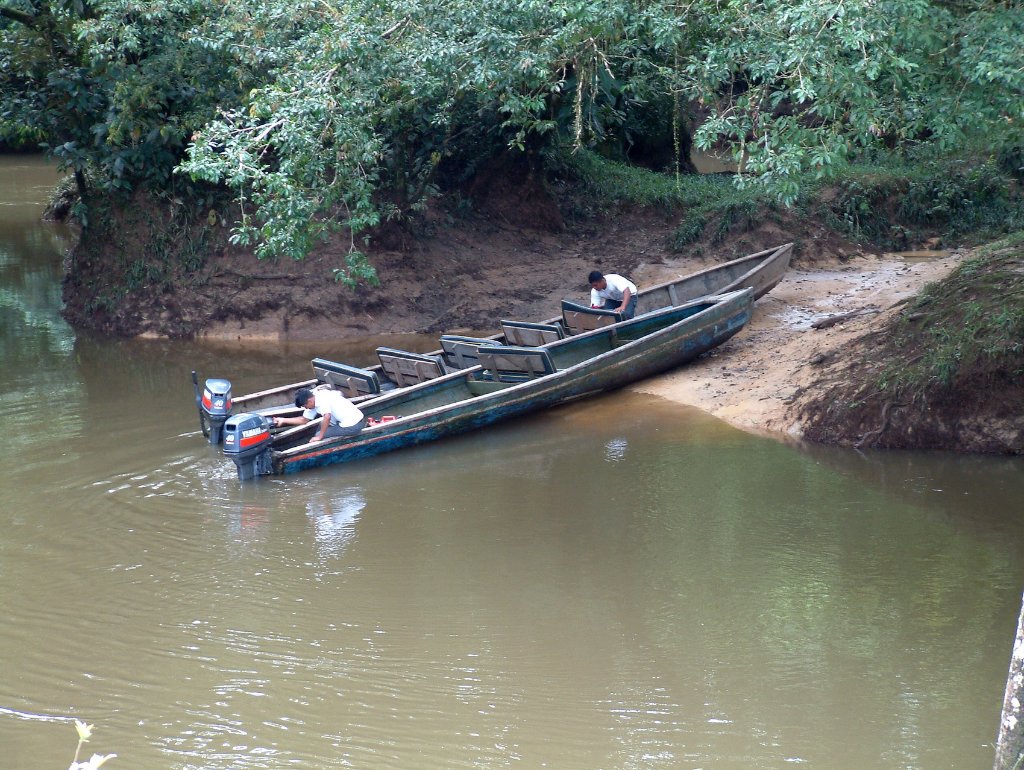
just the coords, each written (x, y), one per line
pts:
(511, 381)
(760, 271)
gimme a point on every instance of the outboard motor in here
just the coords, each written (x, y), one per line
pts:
(247, 442)
(215, 408)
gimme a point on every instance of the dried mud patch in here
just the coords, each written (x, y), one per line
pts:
(942, 372)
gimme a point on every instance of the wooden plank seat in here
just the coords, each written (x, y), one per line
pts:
(461, 352)
(515, 364)
(407, 368)
(580, 318)
(350, 380)
(531, 335)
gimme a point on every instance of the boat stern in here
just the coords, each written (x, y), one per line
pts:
(247, 443)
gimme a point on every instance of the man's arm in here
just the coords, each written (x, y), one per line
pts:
(325, 421)
(626, 294)
(300, 420)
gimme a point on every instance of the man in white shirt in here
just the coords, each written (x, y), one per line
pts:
(338, 416)
(612, 292)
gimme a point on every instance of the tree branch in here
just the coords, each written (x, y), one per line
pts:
(28, 19)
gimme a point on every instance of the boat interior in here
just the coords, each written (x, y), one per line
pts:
(398, 369)
(720, 278)
(496, 367)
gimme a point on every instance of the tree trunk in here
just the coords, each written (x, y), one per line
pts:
(80, 184)
(1010, 743)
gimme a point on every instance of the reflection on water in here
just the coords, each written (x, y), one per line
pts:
(616, 449)
(710, 162)
(616, 583)
(333, 517)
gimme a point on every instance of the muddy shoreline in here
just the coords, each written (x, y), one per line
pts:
(464, 276)
(754, 380)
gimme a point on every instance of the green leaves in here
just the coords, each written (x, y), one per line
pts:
(327, 116)
(114, 87)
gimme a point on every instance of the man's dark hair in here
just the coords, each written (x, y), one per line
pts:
(302, 396)
(595, 276)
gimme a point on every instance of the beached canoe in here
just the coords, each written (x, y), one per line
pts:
(760, 271)
(509, 381)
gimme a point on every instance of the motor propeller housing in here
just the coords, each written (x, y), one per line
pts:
(215, 407)
(247, 443)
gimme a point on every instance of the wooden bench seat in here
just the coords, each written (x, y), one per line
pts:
(350, 380)
(580, 318)
(515, 364)
(531, 335)
(407, 368)
(461, 352)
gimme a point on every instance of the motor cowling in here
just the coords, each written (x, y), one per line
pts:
(215, 405)
(247, 442)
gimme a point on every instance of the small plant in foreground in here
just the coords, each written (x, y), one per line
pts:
(96, 760)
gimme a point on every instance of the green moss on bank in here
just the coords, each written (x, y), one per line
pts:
(135, 253)
(947, 373)
(892, 203)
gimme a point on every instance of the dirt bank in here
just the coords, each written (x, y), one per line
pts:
(463, 275)
(753, 381)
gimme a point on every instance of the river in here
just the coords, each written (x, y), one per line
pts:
(619, 583)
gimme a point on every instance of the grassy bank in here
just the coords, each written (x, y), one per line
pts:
(947, 373)
(891, 203)
(966, 329)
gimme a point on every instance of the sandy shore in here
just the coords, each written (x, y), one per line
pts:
(750, 380)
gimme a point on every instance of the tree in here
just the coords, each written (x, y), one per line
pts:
(1010, 742)
(373, 97)
(113, 88)
(802, 86)
(324, 116)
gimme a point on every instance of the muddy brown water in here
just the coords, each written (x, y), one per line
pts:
(622, 583)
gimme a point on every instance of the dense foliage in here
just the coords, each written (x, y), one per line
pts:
(891, 204)
(325, 115)
(114, 89)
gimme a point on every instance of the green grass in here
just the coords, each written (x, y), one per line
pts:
(888, 201)
(895, 204)
(966, 328)
(709, 205)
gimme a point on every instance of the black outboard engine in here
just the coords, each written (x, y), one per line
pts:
(247, 442)
(215, 408)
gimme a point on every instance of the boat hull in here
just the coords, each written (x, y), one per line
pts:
(627, 362)
(760, 271)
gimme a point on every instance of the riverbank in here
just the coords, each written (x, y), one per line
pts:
(756, 379)
(508, 262)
